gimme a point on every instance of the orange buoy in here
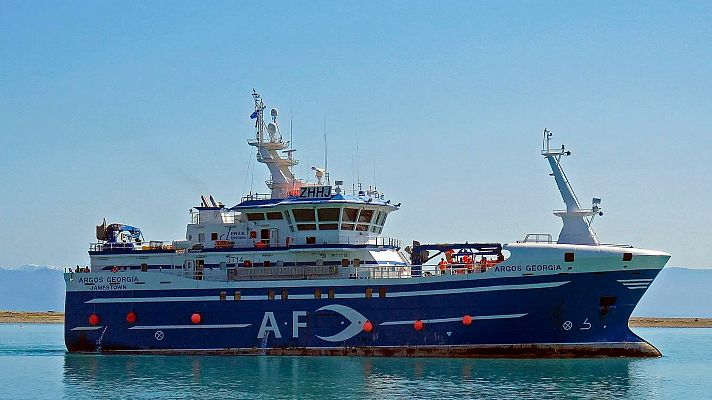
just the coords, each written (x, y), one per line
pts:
(131, 317)
(418, 325)
(467, 320)
(195, 318)
(367, 326)
(93, 319)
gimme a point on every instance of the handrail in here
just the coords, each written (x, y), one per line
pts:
(537, 238)
(150, 245)
(256, 196)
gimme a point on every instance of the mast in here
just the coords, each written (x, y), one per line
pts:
(269, 144)
(577, 222)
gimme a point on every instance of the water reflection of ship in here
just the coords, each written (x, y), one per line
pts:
(326, 377)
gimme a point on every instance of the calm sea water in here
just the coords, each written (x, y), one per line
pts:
(34, 365)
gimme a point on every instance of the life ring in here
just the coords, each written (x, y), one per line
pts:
(114, 269)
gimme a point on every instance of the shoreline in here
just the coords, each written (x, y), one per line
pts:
(48, 317)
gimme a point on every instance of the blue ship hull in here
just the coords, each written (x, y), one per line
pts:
(578, 314)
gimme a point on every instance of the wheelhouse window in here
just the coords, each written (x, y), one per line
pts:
(328, 214)
(255, 216)
(304, 215)
(347, 227)
(273, 216)
(350, 215)
(362, 228)
(328, 227)
(365, 216)
(306, 227)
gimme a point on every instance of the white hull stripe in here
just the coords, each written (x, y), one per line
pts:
(629, 281)
(87, 328)
(416, 293)
(636, 287)
(457, 319)
(646, 284)
(196, 326)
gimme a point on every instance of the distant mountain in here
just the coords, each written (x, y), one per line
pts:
(31, 288)
(677, 292)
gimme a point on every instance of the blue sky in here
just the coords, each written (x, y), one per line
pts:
(131, 110)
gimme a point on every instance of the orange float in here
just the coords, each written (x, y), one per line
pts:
(195, 318)
(367, 326)
(467, 320)
(131, 317)
(93, 319)
(418, 325)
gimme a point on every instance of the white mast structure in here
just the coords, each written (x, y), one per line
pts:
(576, 221)
(269, 143)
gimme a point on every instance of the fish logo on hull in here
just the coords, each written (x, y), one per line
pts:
(355, 318)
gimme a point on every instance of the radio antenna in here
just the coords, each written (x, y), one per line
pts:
(326, 152)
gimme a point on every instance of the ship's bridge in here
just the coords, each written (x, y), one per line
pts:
(339, 218)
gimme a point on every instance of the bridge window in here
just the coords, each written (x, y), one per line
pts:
(347, 227)
(344, 262)
(328, 227)
(311, 240)
(255, 216)
(365, 216)
(328, 214)
(214, 236)
(350, 214)
(378, 218)
(362, 228)
(306, 227)
(304, 214)
(273, 216)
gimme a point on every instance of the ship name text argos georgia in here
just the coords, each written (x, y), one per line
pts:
(306, 270)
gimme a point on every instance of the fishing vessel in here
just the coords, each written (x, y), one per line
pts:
(306, 270)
